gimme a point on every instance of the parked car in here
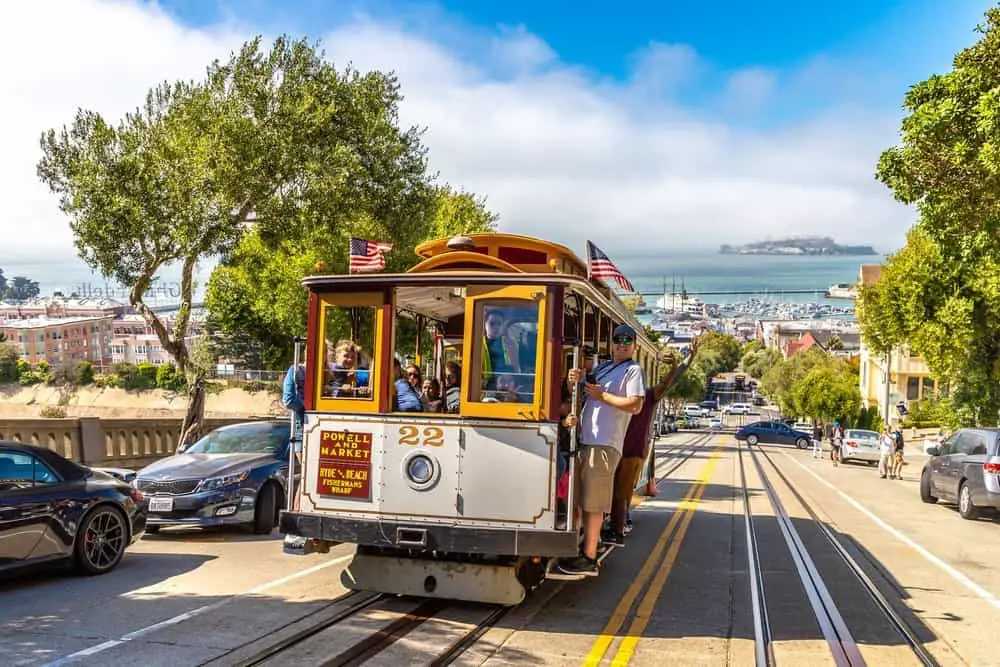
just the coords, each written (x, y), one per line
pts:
(775, 432)
(237, 474)
(56, 512)
(124, 474)
(965, 469)
(715, 424)
(861, 445)
(737, 409)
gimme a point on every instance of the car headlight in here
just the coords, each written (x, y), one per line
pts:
(224, 480)
(420, 470)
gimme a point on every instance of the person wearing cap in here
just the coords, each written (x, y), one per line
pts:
(614, 391)
(635, 449)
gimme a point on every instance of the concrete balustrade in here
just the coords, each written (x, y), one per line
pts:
(124, 443)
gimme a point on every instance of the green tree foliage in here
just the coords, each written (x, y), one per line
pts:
(18, 288)
(8, 363)
(717, 353)
(257, 292)
(814, 384)
(758, 360)
(940, 294)
(277, 139)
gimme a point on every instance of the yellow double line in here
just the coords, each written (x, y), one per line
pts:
(677, 528)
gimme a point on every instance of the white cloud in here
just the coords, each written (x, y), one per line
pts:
(559, 152)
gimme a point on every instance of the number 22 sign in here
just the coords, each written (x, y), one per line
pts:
(411, 436)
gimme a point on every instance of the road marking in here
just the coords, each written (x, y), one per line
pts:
(618, 616)
(141, 632)
(951, 570)
(646, 607)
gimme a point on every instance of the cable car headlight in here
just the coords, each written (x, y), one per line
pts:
(421, 471)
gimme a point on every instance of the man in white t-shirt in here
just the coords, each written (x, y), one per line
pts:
(614, 392)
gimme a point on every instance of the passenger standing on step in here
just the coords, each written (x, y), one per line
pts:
(635, 451)
(614, 392)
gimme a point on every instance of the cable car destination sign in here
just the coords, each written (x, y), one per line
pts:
(345, 465)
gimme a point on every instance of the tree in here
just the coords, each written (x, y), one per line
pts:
(20, 288)
(8, 362)
(758, 361)
(257, 290)
(279, 141)
(826, 394)
(940, 294)
(3, 284)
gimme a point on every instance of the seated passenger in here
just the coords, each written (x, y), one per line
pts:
(344, 378)
(431, 395)
(500, 353)
(504, 392)
(405, 397)
(452, 387)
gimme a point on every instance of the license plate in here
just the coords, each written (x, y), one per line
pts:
(161, 504)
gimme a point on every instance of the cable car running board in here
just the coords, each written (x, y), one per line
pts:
(552, 573)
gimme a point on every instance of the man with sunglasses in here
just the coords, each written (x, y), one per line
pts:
(614, 392)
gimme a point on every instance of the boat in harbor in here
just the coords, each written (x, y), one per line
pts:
(842, 291)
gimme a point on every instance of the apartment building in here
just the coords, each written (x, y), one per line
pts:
(61, 307)
(134, 341)
(60, 340)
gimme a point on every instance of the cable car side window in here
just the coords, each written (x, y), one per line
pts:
(346, 354)
(506, 352)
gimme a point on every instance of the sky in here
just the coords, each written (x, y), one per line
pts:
(663, 126)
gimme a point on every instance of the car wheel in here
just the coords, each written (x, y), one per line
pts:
(267, 509)
(925, 489)
(965, 506)
(801, 443)
(752, 439)
(101, 540)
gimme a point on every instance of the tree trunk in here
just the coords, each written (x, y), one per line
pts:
(194, 420)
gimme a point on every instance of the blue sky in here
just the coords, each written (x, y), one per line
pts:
(667, 126)
(889, 43)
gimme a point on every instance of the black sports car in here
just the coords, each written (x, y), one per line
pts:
(237, 474)
(53, 510)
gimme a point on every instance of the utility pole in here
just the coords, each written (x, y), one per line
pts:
(885, 394)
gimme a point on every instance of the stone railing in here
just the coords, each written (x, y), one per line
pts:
(124, 443)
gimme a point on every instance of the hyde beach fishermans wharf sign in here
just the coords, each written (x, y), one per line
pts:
(345, 465)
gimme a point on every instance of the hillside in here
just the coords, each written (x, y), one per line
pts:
(809, 245)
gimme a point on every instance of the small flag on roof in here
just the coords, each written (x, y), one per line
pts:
(367, 255)
(601, 266)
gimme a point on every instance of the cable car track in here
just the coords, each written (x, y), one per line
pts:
(427, 611)
(843, 648)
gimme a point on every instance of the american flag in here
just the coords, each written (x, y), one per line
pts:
(601, 266)
(367, 255)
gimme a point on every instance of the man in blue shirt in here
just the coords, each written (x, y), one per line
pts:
(293, 397)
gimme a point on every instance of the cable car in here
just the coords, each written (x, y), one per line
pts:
(459, 503)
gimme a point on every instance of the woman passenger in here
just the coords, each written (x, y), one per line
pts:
(452, 386)
(430, 395)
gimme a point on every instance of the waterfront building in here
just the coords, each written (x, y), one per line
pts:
(60, 307)
(62, 341)
(134, 341)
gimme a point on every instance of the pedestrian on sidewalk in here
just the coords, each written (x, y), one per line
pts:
(837, 440)
(888, 448)
(818, 440)
(897, 456)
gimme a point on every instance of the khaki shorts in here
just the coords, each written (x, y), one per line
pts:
(595, 469)
(897, 457)
(626, 478)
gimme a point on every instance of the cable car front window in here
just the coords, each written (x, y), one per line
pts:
(349, 337)
(508, 352)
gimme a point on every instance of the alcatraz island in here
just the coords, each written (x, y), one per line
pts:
(807, 245)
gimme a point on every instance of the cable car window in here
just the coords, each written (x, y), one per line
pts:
(349, 338)
(507, 353)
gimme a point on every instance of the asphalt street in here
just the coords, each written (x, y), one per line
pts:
(678, 594)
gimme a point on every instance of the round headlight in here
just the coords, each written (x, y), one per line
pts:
(420, 470)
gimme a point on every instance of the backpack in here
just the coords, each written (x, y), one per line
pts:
(898, 436)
